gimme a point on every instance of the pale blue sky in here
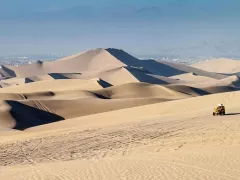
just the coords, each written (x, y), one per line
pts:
(184, 27)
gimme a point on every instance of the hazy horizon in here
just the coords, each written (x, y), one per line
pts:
(154, 28)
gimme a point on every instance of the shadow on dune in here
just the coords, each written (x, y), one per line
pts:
(144, 76)
(9, 71)
(160, 68)
(232, 114)
(188, 90)
(200, 91)
(57, 76)
(38, 94)
(152, 66)
(230, 74)
(27, 116)
(28, 80)
(220, 89)
(104, 84)
(124, 57)
(100, 96)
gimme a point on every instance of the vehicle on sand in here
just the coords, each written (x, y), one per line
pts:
(219, 110)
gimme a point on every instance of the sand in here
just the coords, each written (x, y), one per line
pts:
(104, 114)
(194, 78)
(221, 65)
(56, 85)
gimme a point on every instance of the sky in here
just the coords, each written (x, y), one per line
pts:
(140, 27)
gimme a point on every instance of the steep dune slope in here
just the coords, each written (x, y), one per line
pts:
(145, 76)
(114, 76)
(93, 60)
(97, 59)
(19, 116)
(29, 113)
(162, 68)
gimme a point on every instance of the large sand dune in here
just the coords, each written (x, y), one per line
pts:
(103, 59)
(98, 59)
(104, 114)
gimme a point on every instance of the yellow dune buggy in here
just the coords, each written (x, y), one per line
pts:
(219, 110)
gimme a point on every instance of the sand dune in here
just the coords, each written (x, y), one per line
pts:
(100, 60)
(189, 69)
(58, 85)
(93, 60)
(226, 66)
(162, 68)
(124, 75)
(193, 146)
(24, 70)
(183, 106)
(29, 113)
(33, 110)
(188, 143)
(114, 76)
(145, 76)
(89, 61)
(230, 81)
(189, 90)
(17, 81)
(128, 90)
(120, 75)
(44, 77)
(136, 90)
(66, 75)
(12, 82)
(19, 116)
(104, 114)
(191, 77)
